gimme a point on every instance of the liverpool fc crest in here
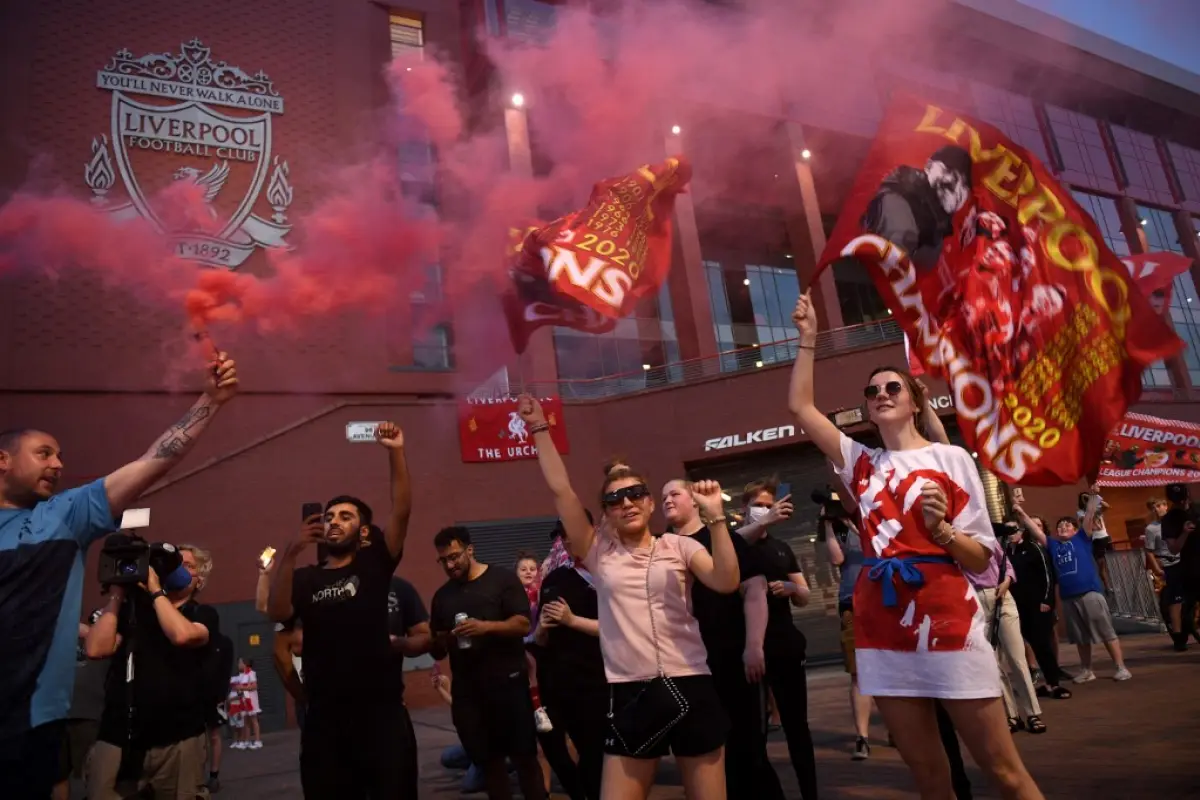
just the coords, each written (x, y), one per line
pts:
(186, 117)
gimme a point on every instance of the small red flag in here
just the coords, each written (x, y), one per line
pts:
(589, 268)
(1153, 273)
(1005, 289)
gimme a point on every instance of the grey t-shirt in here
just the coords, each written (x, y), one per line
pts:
(1156, 544)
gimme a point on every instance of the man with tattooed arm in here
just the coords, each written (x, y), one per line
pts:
(43, 546)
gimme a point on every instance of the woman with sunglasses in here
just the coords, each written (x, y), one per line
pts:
(661, 693)
(920, 634)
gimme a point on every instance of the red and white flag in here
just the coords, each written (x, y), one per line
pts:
(1005, 289)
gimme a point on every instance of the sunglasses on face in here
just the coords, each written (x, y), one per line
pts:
(632, 493)
(893, 388)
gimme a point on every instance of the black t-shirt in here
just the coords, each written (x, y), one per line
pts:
(496, 595)
(1189, 557)
(571, 660)
(169, 692)
(721, 617)
(405, 611)
(347, 656)
(775, 561)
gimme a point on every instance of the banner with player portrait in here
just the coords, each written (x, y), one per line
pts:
(1005, 289)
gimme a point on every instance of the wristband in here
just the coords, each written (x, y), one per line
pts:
(155, 595)
(713, 521)
(539, 427)
(807, 346)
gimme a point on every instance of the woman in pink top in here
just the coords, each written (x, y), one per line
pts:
(662, 697)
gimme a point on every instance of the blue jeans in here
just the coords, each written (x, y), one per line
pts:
(455, 757)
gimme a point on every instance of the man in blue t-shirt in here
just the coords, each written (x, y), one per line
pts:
(43, 545)
(1084, 605)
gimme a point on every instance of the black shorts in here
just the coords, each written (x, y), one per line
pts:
(496, 720)
(1101, 546)
(703, 730)
(1172, 592)
(81, 735)
(359, 753)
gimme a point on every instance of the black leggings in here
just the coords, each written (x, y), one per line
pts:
(1037, 628)
(789, 685)
(581, 714)
(748, 771)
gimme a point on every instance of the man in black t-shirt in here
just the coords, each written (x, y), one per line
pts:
(731, 626)
(784, 644)
(152, 731)
(1179, 532)
(357, 740)
(480, 618)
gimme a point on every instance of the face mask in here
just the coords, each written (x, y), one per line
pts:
(757, 513)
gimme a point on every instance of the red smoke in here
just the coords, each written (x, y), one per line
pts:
(602, 94)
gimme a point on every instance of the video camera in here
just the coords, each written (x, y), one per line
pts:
(831, 505)
(126, 559)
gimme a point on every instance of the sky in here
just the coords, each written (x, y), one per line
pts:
(1166, 29)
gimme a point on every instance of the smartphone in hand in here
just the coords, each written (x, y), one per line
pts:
(311, 510)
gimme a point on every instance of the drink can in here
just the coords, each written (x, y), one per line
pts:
(464, 642)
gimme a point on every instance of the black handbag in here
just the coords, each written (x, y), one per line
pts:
(657, 708)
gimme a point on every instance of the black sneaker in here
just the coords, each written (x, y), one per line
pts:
(862, 750)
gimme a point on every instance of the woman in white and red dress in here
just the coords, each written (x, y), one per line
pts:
(919, 630)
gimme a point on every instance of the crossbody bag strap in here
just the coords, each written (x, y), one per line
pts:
(650, 604)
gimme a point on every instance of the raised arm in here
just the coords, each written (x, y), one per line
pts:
(1089, 514)
(262, 589)
(580, 533)
(391, 437)
(1030, 524)
(279, 605)
(719, 571)
(801, 400)
(127, 483)
(935, 431)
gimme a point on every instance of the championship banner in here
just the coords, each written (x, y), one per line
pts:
(491, 430)
(1156, 272)
(1005, 289)
(595, 264)
(1148, 451)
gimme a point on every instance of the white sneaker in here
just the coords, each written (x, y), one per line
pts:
(238, 746)
(1084, 676)
(256, 746)
(542, 720)
(1122, 675)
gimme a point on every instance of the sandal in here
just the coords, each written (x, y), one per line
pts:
(1015, 724)
(1042, 691)
(1060, 693)
(1036, 725)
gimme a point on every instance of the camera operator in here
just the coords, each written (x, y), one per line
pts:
(43, 585)
(153, 732)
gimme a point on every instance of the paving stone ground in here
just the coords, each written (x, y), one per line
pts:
(1111, 741)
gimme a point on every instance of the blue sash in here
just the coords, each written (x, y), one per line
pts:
(886, 570)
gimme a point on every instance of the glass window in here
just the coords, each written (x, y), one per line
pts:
(1104, 211)
(1187, 169)
(432, 350)
(1084, 156)
(1012, 114)
(407, 33)
(1163, 236)
(1143, 166)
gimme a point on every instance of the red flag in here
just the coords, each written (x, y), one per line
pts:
(1148, 451)
(592, 266)
(914, 365)
(1005, 289)
(1156, 272)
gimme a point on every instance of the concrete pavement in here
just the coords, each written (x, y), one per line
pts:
(1111, 741)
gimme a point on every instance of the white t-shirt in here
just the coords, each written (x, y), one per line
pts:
(250, 697)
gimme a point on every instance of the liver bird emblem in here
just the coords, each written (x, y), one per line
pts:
(212, 181)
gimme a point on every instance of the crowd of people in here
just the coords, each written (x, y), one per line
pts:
(622, 646)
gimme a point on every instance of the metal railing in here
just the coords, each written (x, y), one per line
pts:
(1131, 590)
(832, 342)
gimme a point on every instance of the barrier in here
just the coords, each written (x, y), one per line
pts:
(1131, 591)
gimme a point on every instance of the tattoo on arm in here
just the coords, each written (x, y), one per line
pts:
(178, 438)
